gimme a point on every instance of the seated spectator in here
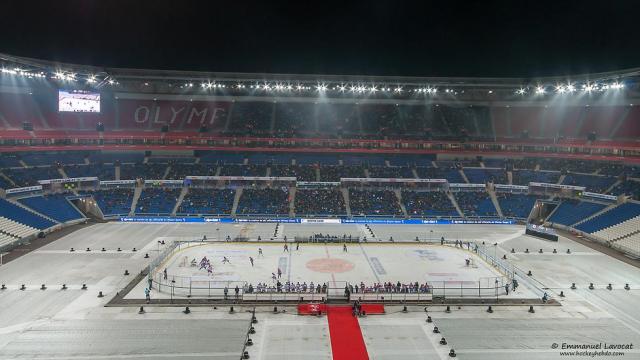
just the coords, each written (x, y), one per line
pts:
(319, 202)
(374, 202)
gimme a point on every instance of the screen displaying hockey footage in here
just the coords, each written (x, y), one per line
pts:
(78, 101)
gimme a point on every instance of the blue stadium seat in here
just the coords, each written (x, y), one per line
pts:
(18, 214)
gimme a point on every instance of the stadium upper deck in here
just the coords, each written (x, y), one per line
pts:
(589, 115)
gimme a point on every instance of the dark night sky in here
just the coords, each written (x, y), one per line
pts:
(443, 38)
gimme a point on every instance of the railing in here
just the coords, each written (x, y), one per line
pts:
(205, 287)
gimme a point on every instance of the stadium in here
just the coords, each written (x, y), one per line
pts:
(170, 214)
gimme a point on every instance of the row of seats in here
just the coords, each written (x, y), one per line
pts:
(619, 230)
(23, 216)
(570, 212)
(475, 204)
(516, 205)
(207, 202)
(54, 206)
(611, 217)
(16, 229)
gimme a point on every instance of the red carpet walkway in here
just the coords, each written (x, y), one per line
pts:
(346, 338)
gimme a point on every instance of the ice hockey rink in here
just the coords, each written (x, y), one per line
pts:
(75, 324)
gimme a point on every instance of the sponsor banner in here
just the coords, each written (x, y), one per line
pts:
(557, 186)
(317, 183)
(468, 186)
(320, 221)
(242, 178)
(269, 220)
(23, 189)
(117, 182)
(168, 219)
(162, 219)
(428, 221)
(394, 180)
(69, 180)
(511, 187)
(164, 182)
(600, 196)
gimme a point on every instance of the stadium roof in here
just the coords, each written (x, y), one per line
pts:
(177, 81)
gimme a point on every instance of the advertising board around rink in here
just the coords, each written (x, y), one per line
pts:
(170, 219)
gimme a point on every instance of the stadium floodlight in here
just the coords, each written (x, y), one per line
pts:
(588, 88)
(432, 90)
(540, 90)
(299, 87)
(398, 90)
(321, 87)
(111, 81)
(560, 89)
(570, 88)
(616, 85)
(521, 91)
(91, 79)
(373, 89)
(289, 87)
(342, 88)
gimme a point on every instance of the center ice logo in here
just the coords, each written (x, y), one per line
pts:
(329, 265)
(426, 254)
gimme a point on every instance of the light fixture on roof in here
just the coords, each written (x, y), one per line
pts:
(398, 90)
(560, 89)
(342, 88)
(521, 91)
(321, 87)
(540, 90)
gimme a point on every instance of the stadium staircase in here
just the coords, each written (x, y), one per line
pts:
(455, 203)
(117, 175)
(347, 205)
(236, 200)
(292, 201)
(62, 173)
(7, 179)
(495, 201)
(464, 176)
(402, 207)
(510, 177)
(166, 172)
(268, 173)
(183, 193)
(415, 173)
(134, 203)
(317, 171)
(560, 179)
(24, 164)
(613, 186)
(366, 172)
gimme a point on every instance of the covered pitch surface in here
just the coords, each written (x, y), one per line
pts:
(75, 324)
